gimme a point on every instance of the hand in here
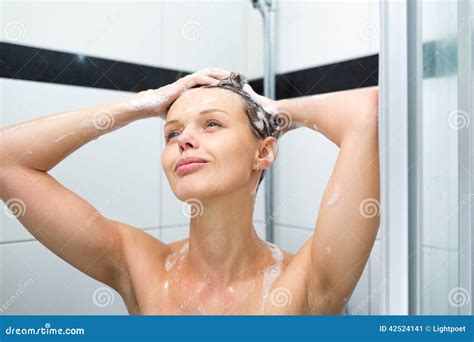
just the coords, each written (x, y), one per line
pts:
(158, 101)
(287, 120)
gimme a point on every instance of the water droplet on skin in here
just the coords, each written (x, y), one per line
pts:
(173, 257)
(63, 136)
(166, 287)
(334, 196)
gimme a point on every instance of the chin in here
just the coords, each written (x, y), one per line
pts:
(193, 188)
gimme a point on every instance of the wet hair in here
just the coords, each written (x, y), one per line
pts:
(262, 123)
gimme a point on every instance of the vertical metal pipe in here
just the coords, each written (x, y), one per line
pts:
(268, 8)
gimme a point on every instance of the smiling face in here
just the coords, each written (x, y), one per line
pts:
(210, 123)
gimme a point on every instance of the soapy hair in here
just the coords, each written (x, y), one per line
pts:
(262, 123)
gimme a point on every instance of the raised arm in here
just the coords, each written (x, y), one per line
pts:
(60, 219)
(348, 217)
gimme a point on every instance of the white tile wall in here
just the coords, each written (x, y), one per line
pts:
(228, 35)
(107, 172)
(201, 34)
(373, 27)
(304, 165)
(291, 239)
(116, 30)
(34, 281)
(312, 33)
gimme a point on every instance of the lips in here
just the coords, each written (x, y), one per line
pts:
(189, 160)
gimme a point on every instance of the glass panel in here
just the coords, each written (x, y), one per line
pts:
(441, 124)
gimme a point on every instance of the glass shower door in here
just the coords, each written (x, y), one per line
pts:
(443, 179)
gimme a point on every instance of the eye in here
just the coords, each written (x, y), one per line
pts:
(208, 122)
(212, 121)
(169, 136)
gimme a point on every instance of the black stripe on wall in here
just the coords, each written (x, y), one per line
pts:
(36, 64)
(354, 73)
(43, 65)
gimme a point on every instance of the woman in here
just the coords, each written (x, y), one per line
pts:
(220, 137)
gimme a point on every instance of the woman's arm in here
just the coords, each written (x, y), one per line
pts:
(42, 143)
(348, 217)
(60, 219)
(336, 115)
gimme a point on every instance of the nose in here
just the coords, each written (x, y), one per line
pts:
(186, 141)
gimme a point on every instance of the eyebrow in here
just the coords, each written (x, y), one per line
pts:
(202, 112)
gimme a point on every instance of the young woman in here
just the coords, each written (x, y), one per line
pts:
(220, 137)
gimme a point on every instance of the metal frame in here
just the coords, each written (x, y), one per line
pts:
(415, 149)
(466, 150)
(393, 137)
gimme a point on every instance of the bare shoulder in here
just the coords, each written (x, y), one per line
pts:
(136, 240)
(140, 252)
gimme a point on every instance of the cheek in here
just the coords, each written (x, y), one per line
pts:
(166, 161)
(233, 158)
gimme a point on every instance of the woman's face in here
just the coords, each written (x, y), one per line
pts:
(209, 123)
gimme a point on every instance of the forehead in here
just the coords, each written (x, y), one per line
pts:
(198, 99)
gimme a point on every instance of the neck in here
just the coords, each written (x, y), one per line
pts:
(223, 245)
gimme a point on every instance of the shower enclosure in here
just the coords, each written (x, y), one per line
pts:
(426, 130)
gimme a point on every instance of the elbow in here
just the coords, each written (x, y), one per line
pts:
(367, 118)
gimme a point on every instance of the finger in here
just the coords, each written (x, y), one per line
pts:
(249, 89)
(201, 80)
(215, 72)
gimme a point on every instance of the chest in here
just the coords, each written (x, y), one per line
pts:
(174, 295)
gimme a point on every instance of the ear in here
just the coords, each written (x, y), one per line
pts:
(267, 153)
